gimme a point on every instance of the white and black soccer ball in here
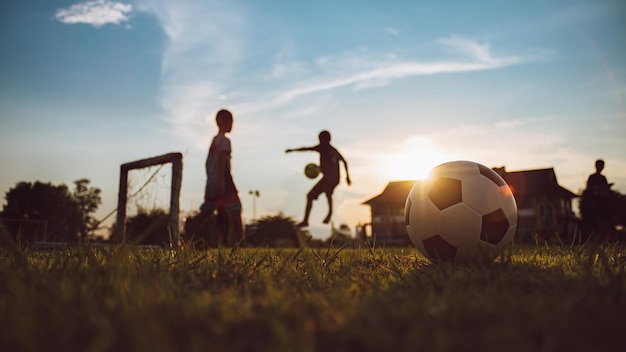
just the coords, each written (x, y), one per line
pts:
(463, 212)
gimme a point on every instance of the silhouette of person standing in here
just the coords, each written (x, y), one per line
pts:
(329, 166)
(596, 202)
(597, 183)
(220, 193)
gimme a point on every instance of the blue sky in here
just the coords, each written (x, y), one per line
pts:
(402, 86)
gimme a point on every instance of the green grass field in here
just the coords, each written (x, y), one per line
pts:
(535, 298)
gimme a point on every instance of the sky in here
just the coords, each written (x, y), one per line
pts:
(402, 86)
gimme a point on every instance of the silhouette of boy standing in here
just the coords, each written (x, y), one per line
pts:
(221, 193)
(329, 166)
(595, 205)
(597, 183)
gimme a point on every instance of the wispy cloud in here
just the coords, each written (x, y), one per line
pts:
(200, 67)
(392, 31)
(211, 56)
(362, 73)
(96, 13)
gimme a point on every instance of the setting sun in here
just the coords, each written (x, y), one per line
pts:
(416, 161)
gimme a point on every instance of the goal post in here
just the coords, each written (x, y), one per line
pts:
(176, 159)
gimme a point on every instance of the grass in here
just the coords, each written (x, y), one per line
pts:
(535, 298)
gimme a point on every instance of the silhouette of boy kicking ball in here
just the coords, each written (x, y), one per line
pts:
(329, 166)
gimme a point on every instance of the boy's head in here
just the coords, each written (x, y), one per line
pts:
(324, 137)
(224, 120)
(599, 165)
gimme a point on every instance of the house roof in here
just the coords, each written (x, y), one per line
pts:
(525, 184)
(528, 183)
(396, 191)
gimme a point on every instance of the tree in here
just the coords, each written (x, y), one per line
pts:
(41, 202)
(88, 199)
(340, 236)
(65, 215)
(275, 231)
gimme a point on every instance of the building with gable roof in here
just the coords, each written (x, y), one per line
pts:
(544, 208)
(388, 226)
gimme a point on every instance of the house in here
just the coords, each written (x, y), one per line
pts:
(388, 227)
(544, 207)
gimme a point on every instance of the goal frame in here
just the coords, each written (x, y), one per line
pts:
(176, 159)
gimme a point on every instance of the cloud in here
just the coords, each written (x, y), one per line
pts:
(96, 13)
(200, 65)
(392, 31)
(361, 73)
(509, 124)
(213, 58)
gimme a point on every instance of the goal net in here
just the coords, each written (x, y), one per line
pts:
(148, 201)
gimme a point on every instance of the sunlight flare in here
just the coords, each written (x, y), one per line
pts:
(415, 160)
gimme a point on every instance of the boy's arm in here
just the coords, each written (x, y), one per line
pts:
(345, 166)
(302, 149)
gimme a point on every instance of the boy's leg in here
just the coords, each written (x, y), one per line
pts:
(307, 213)
(310, 197)
(232, 211)
(237, 226)
(329, 197)
(230, 220)
(193, 223)
(222, 227)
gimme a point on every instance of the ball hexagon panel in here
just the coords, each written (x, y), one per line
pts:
(481, 194)
(494, 227)
(460, 225)
(445, 192)
(438, 249)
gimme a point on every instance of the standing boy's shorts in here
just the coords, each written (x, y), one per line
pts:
(228, 202)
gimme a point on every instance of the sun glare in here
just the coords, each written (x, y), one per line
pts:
(414, 164)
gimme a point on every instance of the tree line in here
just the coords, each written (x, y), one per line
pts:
(44, 212)
(38, 211)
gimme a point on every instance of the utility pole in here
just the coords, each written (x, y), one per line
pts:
(255, 194)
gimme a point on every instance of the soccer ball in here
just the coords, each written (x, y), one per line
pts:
(463, 212)
(311, 170)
